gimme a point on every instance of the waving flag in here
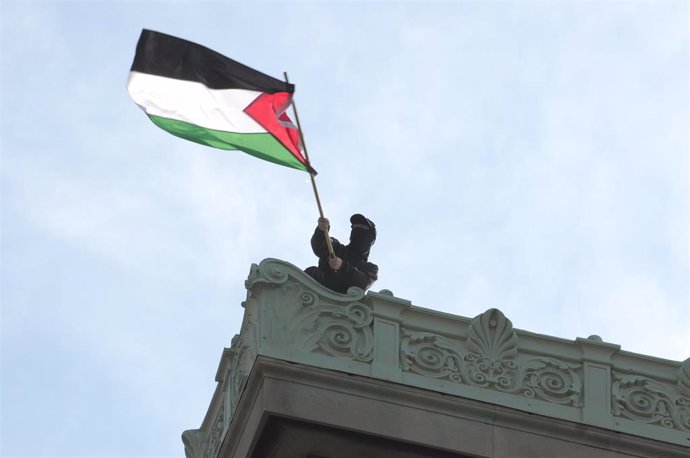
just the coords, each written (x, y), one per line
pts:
(200, 95)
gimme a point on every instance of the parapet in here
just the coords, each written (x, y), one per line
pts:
(289, 317)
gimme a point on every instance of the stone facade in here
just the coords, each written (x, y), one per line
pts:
(481, 364)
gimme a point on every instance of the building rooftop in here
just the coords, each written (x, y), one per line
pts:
(482, 362)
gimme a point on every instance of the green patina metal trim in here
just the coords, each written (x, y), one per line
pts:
(289, 316)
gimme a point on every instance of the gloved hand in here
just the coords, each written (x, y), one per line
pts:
(335, 262)
(324, 224)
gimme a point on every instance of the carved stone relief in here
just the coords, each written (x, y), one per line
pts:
(430, 355)
(194, 443)
(551, 380)
(286, 309)
(683, 384)
(645, 400)
(216, 434)
(489, 360)
(242, 354)
(320, 322)
(319, 325)
(492, 348)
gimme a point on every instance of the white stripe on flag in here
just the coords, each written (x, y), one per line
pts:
(192, 102)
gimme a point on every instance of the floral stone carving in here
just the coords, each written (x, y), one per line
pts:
(492, 346)
(489, 359)
(645, 400)
(305, 316)
(431, 355)
(321, 325)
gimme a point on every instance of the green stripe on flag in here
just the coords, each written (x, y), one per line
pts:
(261, 145)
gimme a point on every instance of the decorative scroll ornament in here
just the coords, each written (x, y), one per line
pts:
(307, 316)
(491, 361)
(335, 330)
(346, 332)
(683, 413)
(276, 272)
(193, 440)
(268, 271)
(430, 355)
(237, 376)
(242, 354)
(316, 324)
(551, 380)
(216, 434)
(645, 400)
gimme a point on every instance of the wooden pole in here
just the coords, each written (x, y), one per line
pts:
(311, 174)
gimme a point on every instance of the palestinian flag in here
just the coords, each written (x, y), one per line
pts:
(200, 95)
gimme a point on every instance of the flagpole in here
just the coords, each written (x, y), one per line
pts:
(329, 244)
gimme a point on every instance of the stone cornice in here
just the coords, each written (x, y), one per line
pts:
(343, 388)
(290, 317)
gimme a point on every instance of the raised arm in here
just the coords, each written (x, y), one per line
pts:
(318, 241)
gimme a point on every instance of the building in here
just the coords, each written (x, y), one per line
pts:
(323, 375)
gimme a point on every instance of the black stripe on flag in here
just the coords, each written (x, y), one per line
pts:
(164, 55)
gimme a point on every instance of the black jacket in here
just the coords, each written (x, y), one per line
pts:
(355, 270)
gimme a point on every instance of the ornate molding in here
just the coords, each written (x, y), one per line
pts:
(216, 433)
(317, 324)
(489, 359)
(492, 348)
(194, 443)
(552, 380)
(344, 332)
(276, 272)
(241, 356)
(306, 317)
(645, 400)
(266, 272)
(290, 316)
(430, 355)
(683, 383)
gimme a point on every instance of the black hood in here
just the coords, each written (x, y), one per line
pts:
(361, 240)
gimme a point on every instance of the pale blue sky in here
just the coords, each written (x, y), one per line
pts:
(530, 156)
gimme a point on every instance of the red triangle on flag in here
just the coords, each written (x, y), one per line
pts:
(269, 111)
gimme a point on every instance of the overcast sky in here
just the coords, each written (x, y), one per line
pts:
(524, 155)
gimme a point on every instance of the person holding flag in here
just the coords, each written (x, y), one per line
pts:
(349, 265)
(199, 95)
